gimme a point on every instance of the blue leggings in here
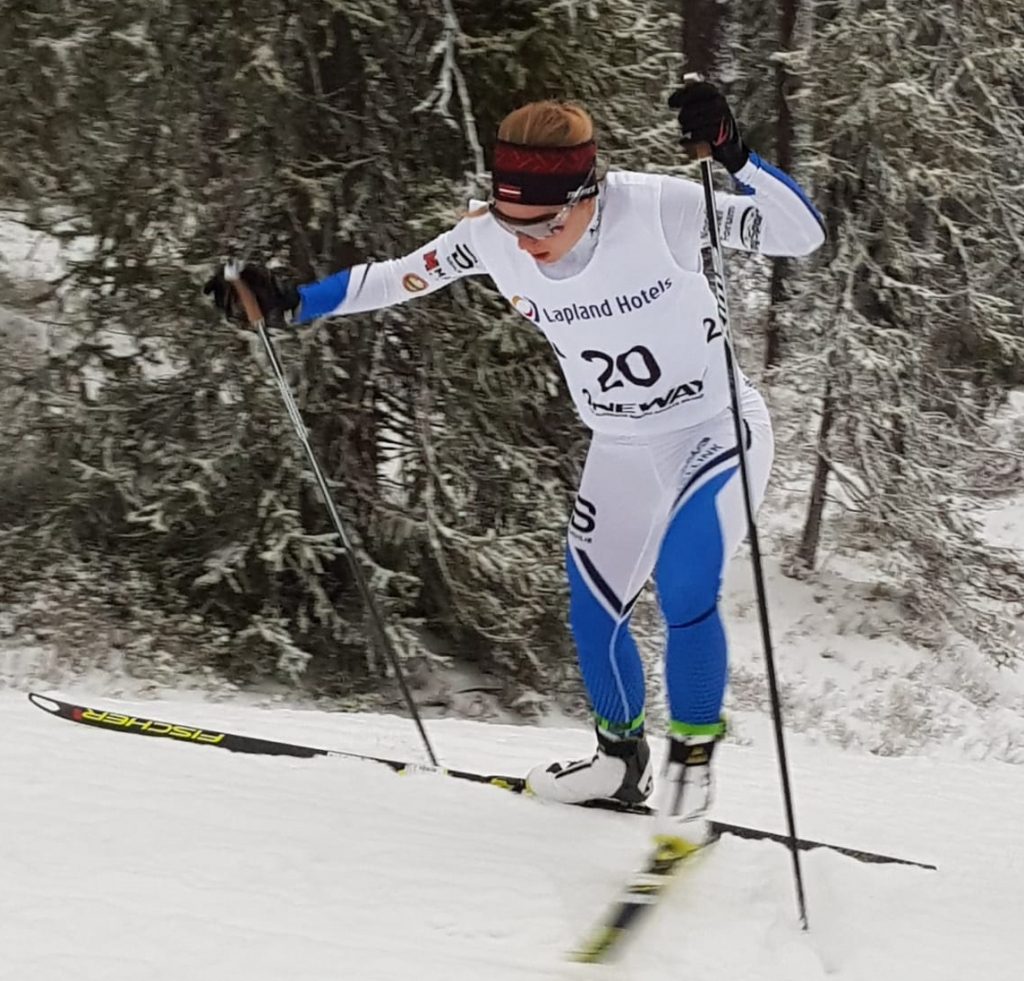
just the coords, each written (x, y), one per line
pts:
(673, 510)
(687, 577)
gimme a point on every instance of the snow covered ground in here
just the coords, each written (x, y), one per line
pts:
(124, 856)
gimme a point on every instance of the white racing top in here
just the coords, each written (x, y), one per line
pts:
(628, 311)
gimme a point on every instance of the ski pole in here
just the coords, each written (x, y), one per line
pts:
(258, 323)
(718, 264)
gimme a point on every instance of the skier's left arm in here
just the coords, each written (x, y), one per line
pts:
(770, 213)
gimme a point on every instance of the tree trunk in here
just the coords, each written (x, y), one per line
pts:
(784, 158)
(702, 34)
(807, 552)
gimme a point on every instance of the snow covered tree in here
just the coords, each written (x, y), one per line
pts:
(313, 135)
(919, 123)
(757, 52)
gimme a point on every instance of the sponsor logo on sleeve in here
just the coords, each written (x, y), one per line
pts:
(462, 259)
(413, 283)
(432, 265)
(750, 229)
(727, 221)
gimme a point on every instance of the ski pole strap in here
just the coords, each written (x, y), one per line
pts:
(251, 307)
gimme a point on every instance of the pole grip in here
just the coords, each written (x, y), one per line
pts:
(245, 295)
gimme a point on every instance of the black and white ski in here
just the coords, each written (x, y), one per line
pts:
(235, 743)
(668, 857)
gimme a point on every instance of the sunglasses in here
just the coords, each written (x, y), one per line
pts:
(541, 226)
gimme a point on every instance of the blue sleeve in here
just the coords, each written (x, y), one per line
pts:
(783, 178)
(322, 297)
(772, 215)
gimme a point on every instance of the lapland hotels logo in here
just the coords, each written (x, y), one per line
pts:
(526, 306)
(608, 307)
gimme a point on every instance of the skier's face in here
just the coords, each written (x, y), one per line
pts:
(545, 234)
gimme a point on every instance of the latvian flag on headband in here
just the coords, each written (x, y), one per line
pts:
(548, 175)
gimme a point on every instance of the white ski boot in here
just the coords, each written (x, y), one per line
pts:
(619, 770)
(687, 788)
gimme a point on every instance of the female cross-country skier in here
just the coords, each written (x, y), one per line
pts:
(609, 268)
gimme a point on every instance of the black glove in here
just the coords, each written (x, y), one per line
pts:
(705, 117)
(275, 297)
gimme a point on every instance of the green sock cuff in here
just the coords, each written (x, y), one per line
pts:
(622, 730)
(691, 729)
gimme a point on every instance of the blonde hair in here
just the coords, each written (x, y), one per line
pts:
(547, 123)
(544, 123)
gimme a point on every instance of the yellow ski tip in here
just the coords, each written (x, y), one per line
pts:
(675, 846)
(596, 946)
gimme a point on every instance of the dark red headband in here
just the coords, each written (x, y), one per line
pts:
(542, 174)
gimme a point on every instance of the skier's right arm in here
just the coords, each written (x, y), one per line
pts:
(373, 285)
(367, 286)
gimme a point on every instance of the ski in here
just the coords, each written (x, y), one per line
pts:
(667, 858)
(235, 743)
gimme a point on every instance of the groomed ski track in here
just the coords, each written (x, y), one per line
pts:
(145, 858)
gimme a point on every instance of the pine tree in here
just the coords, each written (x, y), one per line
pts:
(920, 129)
(313, 136)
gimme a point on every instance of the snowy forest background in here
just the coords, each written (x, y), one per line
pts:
(154, 507)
